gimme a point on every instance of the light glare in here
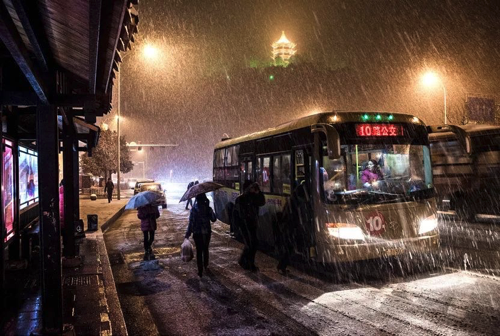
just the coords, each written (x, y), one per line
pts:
(428, 224)
(430, 79)
(150, 51)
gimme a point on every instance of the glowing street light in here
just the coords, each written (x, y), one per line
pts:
(150, 52)
(431, 79)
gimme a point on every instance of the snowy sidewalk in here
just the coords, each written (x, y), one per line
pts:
(90, 301)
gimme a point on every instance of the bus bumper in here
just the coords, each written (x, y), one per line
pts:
(363, 251)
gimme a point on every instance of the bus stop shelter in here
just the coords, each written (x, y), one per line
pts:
(58, 63)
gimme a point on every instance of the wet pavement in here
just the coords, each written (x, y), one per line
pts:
(435, 295)
(90, 303)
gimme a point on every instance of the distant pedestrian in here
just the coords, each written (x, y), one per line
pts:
(109, 189)
(199, 225)
(148, 215)
(245, 218)
(189, 201)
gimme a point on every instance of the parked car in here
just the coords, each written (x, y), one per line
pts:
(137, 187)
(156, 187)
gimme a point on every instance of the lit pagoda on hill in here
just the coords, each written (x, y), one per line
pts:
(283, 49)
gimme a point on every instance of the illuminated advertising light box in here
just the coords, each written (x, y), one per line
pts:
(8, 189)
(379, 130)
(28, 177)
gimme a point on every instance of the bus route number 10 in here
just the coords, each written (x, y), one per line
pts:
(375, 223)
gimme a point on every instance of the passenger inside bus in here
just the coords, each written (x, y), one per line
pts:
(388, 170)
(371, 175)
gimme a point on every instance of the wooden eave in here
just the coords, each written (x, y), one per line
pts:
(83, 39)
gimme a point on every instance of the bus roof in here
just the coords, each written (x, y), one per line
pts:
(318, 118)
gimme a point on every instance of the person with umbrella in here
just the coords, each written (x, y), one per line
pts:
(148, 215)
(199, 225)
(147, 212)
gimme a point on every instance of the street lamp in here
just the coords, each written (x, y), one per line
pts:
(431, 79)
(151, 53)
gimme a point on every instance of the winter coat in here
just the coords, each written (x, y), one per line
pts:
(369, 176)
(199, 219)
(148, 215)
(109, 187)
(246, 210)
(61, 205)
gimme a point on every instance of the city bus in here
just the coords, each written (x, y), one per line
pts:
(466, 169)
(350, 218)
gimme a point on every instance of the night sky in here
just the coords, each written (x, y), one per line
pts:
(200, 88)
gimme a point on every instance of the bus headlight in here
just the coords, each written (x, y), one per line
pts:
(428, 224)
(345, 231)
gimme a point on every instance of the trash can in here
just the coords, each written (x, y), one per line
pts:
(92, 222)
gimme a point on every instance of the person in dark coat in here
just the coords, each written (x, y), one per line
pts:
(294, 222)
(109, 189)
(245, 217)
(199, 225)
(148, 215)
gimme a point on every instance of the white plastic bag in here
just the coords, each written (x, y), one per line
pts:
(187, 250)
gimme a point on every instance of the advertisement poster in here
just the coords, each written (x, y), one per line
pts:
(28, 177)
(8, 189)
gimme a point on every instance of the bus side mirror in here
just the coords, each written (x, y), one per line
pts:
(332, 139)
(462, 136)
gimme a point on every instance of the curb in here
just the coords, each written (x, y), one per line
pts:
(110, 221)
(112, 319)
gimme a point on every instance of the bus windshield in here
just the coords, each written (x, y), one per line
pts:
(377, 173)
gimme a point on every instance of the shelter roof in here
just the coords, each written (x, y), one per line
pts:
(82, 38)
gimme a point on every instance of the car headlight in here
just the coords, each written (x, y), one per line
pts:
(345, 231)
(428, 224)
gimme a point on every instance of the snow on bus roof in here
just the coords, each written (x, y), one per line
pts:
(322, 117)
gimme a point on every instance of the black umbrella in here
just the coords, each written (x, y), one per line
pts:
(200, 188)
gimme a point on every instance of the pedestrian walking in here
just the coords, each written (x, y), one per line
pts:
(148, 215)
(245, 218)
(109, 189)
(199, 225)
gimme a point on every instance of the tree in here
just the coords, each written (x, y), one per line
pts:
(104, 156)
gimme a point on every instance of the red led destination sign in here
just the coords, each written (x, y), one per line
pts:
(378, 130)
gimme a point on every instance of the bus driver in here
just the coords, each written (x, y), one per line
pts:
(371, 174)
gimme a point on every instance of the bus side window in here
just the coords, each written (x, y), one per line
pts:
(265, 175)
(277, 187)
(286, 173)
(300, 171)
